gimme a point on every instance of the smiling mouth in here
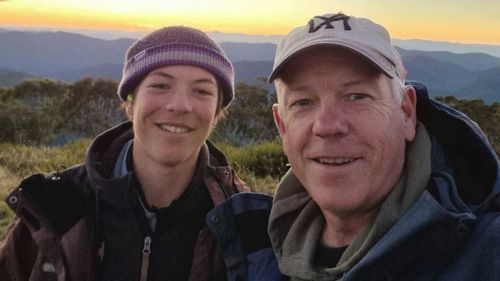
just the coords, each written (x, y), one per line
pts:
(174, 129)
(335, 161)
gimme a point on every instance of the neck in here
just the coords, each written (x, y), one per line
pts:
(339, 231)
(162, 183)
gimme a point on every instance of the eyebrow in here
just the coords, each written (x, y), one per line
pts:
(200, 80)
(206, 80)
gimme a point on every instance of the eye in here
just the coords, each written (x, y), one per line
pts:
(301, 103)
(160, 86)
(357, 96)
(203, 92)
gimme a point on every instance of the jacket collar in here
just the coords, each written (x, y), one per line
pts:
(460, 151)
(105, 149)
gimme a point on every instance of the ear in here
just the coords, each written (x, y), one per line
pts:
(409, 108)
(278, 120)
(129, 109)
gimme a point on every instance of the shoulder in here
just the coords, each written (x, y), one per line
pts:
(40, 187)
(62, 197)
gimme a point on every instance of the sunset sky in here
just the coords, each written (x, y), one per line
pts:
(464, 21)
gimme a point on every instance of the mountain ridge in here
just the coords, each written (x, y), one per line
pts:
(70, 57)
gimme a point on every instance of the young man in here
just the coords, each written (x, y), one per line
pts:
(153, 199)
(385, 184)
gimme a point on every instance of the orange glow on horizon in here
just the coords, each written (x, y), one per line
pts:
(260, 17)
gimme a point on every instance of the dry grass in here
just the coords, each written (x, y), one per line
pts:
(265, 184)
(7, 182)
(20, 161)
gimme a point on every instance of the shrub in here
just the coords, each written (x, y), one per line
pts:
(264, 159)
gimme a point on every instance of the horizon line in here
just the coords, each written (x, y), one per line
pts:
(145, 31)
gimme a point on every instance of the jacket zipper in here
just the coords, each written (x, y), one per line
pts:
(146, 251)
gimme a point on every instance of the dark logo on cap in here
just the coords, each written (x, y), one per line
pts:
(327, 22)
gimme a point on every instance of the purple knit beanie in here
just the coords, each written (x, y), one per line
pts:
(176, 45)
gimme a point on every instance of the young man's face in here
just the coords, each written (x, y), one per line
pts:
(342, 128)
(173, 113)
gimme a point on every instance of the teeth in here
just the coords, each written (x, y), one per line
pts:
(173, 129)
(335, 161)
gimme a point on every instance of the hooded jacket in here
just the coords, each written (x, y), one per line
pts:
(449, 230)
(57, 232)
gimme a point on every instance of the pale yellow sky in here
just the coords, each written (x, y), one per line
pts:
(464, 21)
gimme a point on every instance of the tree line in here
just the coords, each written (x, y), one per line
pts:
(47, 112)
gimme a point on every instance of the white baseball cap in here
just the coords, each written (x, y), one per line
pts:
(361, 35)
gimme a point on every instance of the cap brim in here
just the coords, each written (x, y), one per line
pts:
(292, 55)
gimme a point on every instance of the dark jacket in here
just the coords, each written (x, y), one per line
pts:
(57, 231)
(450, 232)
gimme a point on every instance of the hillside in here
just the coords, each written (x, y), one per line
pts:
(471, 61)
(454, 47)
(486, 86)
(10, 78)
(249, 51)
(70, 57)
(43, 53)
(249, 71)
(110, 70)
(437, 75)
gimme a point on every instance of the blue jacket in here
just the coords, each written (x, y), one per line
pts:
(240, 227)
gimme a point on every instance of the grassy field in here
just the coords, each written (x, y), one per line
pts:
(19, 161)
(259, 166)
(7, 181)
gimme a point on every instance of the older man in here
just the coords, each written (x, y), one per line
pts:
(379, 188)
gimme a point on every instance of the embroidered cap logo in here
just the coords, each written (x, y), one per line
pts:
(327, 22)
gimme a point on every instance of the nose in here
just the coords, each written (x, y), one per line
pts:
(330, 121)
(179, 102)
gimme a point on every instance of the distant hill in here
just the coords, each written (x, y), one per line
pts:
(43, 53)
(486, 86)
(445, 78)
(223, 37)
(459, 48)
(110, 70)
(249, 71)
(435, 72)
(249, 51)
(472, 61)
(70, 57)
(10, 77)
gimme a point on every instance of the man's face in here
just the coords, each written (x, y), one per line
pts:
(342, 128)
(173, 113)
